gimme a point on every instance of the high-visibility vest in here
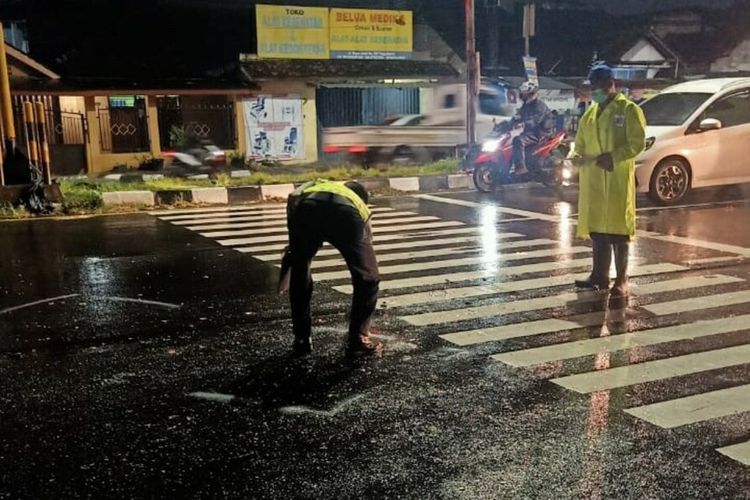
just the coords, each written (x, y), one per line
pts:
(324, 186)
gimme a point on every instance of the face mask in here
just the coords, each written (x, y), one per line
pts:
(599, 96)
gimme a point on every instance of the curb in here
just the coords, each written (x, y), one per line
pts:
(252, 194)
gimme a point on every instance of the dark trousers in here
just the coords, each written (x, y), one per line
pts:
(520, 144)
(603, 247)
(313, 222)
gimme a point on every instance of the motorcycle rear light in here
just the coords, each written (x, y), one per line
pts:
(167, 154)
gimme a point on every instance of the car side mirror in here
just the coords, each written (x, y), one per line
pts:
(709, 124)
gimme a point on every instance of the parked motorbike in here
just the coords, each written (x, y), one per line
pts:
(545, 161)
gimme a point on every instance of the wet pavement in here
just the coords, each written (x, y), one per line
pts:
(147, 355)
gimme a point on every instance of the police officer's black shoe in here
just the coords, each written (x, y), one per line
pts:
(592, 284)
(361, 345)
(301, 347)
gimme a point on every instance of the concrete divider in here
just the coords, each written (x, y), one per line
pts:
(244, 194)
(433, 183)
(173, 196)
(404, 183)
(249, 194)
(129, 198)
(460, 181)
(214, 196)
(281, 191)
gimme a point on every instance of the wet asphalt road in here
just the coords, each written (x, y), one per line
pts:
(160, 367)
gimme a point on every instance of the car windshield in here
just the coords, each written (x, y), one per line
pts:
(672, 109)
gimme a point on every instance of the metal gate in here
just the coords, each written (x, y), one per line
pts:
(364, 106)
(67, 134)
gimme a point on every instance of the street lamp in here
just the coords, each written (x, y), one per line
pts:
(472, 77)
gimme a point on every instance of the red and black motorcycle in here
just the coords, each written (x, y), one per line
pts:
(545, 161)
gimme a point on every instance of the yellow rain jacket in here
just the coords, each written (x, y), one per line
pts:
(606, 200)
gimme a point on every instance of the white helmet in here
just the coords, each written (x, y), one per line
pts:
(528, 88)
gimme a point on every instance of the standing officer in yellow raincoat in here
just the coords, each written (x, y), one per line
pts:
(611, 134)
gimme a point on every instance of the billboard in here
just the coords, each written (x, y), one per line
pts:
(371, 34)
(287, 32)
(274, 126)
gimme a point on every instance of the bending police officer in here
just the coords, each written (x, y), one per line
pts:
(323, 211)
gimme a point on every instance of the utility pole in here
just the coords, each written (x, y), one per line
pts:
(472, 79)
(529, 25)
(6, 106)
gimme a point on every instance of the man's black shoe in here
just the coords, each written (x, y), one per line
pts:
(301, 347)
(592, 285)
(363, 346)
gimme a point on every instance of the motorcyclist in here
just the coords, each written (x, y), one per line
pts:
(533, 115)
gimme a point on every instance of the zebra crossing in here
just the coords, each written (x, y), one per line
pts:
(430, 266)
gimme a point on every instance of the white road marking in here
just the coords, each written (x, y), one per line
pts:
(681, 240)
(252, 217)
(499, 209)
(283, 237)
(240, 211)
(697, 408)
(435, 252)
(510, 286)
(442, 279)
(557, 301)
(38, 302)
(213, 396)
(491, 260)
(143, 301)
(715, 260)
(281, 224)
(612, 343)
(539, 327)
(380, 238)
(239, 208)
(301, 410)
(739, 452)
(652, 371)
(693, 205)
(704, 302)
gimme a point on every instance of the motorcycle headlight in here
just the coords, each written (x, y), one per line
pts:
(490, 146)
(650, 143)
(567, 174)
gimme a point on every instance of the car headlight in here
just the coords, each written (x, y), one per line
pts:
(490, 146)
(650, 143)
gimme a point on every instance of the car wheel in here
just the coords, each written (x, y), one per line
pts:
(670, 182)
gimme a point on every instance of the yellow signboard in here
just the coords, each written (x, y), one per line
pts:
(371, 34)
(287, 32)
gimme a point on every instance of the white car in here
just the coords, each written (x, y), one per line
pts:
(698, 135)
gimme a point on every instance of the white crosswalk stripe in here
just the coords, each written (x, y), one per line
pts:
(417, 238)
(279, 216)
(283, 236)
(485, 260)
(420, 298)
(431, 266)
(282, 226)
(561, 300)
(432, 252)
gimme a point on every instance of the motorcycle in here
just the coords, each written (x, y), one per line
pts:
(546, 161)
